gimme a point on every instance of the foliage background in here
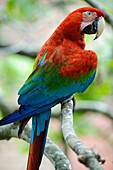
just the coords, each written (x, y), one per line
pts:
(26, 25)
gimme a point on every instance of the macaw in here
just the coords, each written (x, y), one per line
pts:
(62, 67)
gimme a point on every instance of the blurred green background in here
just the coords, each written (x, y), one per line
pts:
(24, 26)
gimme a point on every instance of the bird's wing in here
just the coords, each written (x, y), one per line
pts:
(46, 86)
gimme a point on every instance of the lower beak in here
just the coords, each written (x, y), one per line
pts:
(96, 27)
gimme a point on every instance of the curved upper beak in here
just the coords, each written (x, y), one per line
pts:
(100, 27)
(96, 27)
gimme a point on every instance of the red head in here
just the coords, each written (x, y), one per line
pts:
(86, 20)
(82, 21)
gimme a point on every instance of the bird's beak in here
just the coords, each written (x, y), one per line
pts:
(100, 27)
(96, 27)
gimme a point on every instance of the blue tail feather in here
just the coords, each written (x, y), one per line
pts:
(38, 139)
(40, 121)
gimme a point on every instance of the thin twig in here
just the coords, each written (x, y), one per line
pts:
(94, 106)
(96, 4)
(20, 48)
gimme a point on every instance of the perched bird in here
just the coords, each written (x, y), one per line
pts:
(62, 67)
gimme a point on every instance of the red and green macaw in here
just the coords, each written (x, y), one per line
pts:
(62, 67)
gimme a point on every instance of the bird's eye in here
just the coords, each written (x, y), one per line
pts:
(89, 13)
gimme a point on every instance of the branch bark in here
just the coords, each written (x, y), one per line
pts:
(85, 155)
(87, 105)
(52, 151)
(56, 156)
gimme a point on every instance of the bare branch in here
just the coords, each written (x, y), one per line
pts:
(53, 153)
(83, 105)
(85, 155)
(96, 4)
(21, 48)
(94, 106)
(11, 130)
(56, 156)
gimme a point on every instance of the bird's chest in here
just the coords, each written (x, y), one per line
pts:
(65, 52)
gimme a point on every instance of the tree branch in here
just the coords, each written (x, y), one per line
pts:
(20, 48)
(56, 156)
(94, 106)
(11, 130)
(53, 153)
(96, 4)
(87, 105)
(85, 155)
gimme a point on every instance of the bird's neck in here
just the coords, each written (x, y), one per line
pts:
(73, 35)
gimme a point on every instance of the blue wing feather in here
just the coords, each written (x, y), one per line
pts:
(43, 91)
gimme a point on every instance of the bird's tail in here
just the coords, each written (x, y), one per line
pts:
(38, 139)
